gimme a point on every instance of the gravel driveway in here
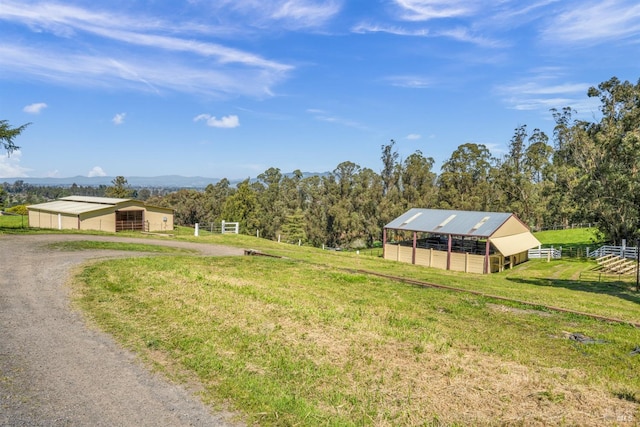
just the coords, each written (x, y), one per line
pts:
(55, 371)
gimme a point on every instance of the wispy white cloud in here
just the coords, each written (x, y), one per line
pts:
(35, 108)
(130, 49)
(541, 91)
(324, 116)
(413, 136)
(287, 14)
(516, 13)
(535, 88)
(412, 82)
(118, 119)
(64, 20)
(143, 74)
(479, 13)
(96, 171)
(495, 148)
(463, 34)
(10, 166)
(459, 33)
(226, 122)
(595, 22)
(424, 10)
(305, 12)
(363, 28)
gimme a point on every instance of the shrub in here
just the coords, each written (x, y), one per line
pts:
(19, 210)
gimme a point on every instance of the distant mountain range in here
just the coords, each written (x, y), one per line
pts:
(170, 181)
(164, 181)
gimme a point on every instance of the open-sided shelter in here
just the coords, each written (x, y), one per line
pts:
(100, 213)
(475, 242)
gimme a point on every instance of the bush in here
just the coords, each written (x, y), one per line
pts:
(358, 244)
(18, 210)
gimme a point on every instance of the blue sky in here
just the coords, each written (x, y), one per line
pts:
(230, 88)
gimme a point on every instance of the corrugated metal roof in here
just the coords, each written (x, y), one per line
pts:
(459, 223)
(91, 199)
(69, 207)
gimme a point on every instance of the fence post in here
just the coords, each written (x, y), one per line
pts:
(196, 231)
(637, 267)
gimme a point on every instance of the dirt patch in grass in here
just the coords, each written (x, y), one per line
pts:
(516, 310)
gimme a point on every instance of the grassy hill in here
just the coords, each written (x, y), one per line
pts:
(574, 242)
(312, 338)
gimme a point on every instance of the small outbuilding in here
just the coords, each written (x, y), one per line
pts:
(473, 242)
(101, 214)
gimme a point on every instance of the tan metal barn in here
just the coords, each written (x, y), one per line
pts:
(473, 242)
(100, 213)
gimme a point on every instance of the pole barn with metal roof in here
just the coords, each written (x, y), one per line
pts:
(469, 241)
(101, 214)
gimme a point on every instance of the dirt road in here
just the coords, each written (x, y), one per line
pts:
(55, 371)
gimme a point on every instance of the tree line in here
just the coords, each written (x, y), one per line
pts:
(586, 172)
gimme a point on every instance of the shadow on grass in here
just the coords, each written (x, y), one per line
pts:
(14, 230)
(623, 290)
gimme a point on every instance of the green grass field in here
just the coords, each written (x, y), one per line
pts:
(311, 339)
(574, 242)
(13, 222)
(569, 237)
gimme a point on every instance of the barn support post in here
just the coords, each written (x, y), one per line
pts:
(415, 243)
(487, 268)
(449, 243)
(384, 241)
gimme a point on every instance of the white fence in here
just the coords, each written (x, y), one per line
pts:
(556, 253)
(564, 226)
(621, 251)
(229, 227)
(223, 228)
(545, 253)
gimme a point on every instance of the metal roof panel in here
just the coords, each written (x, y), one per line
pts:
(69, 207)
(92, 199)
(442, 221)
